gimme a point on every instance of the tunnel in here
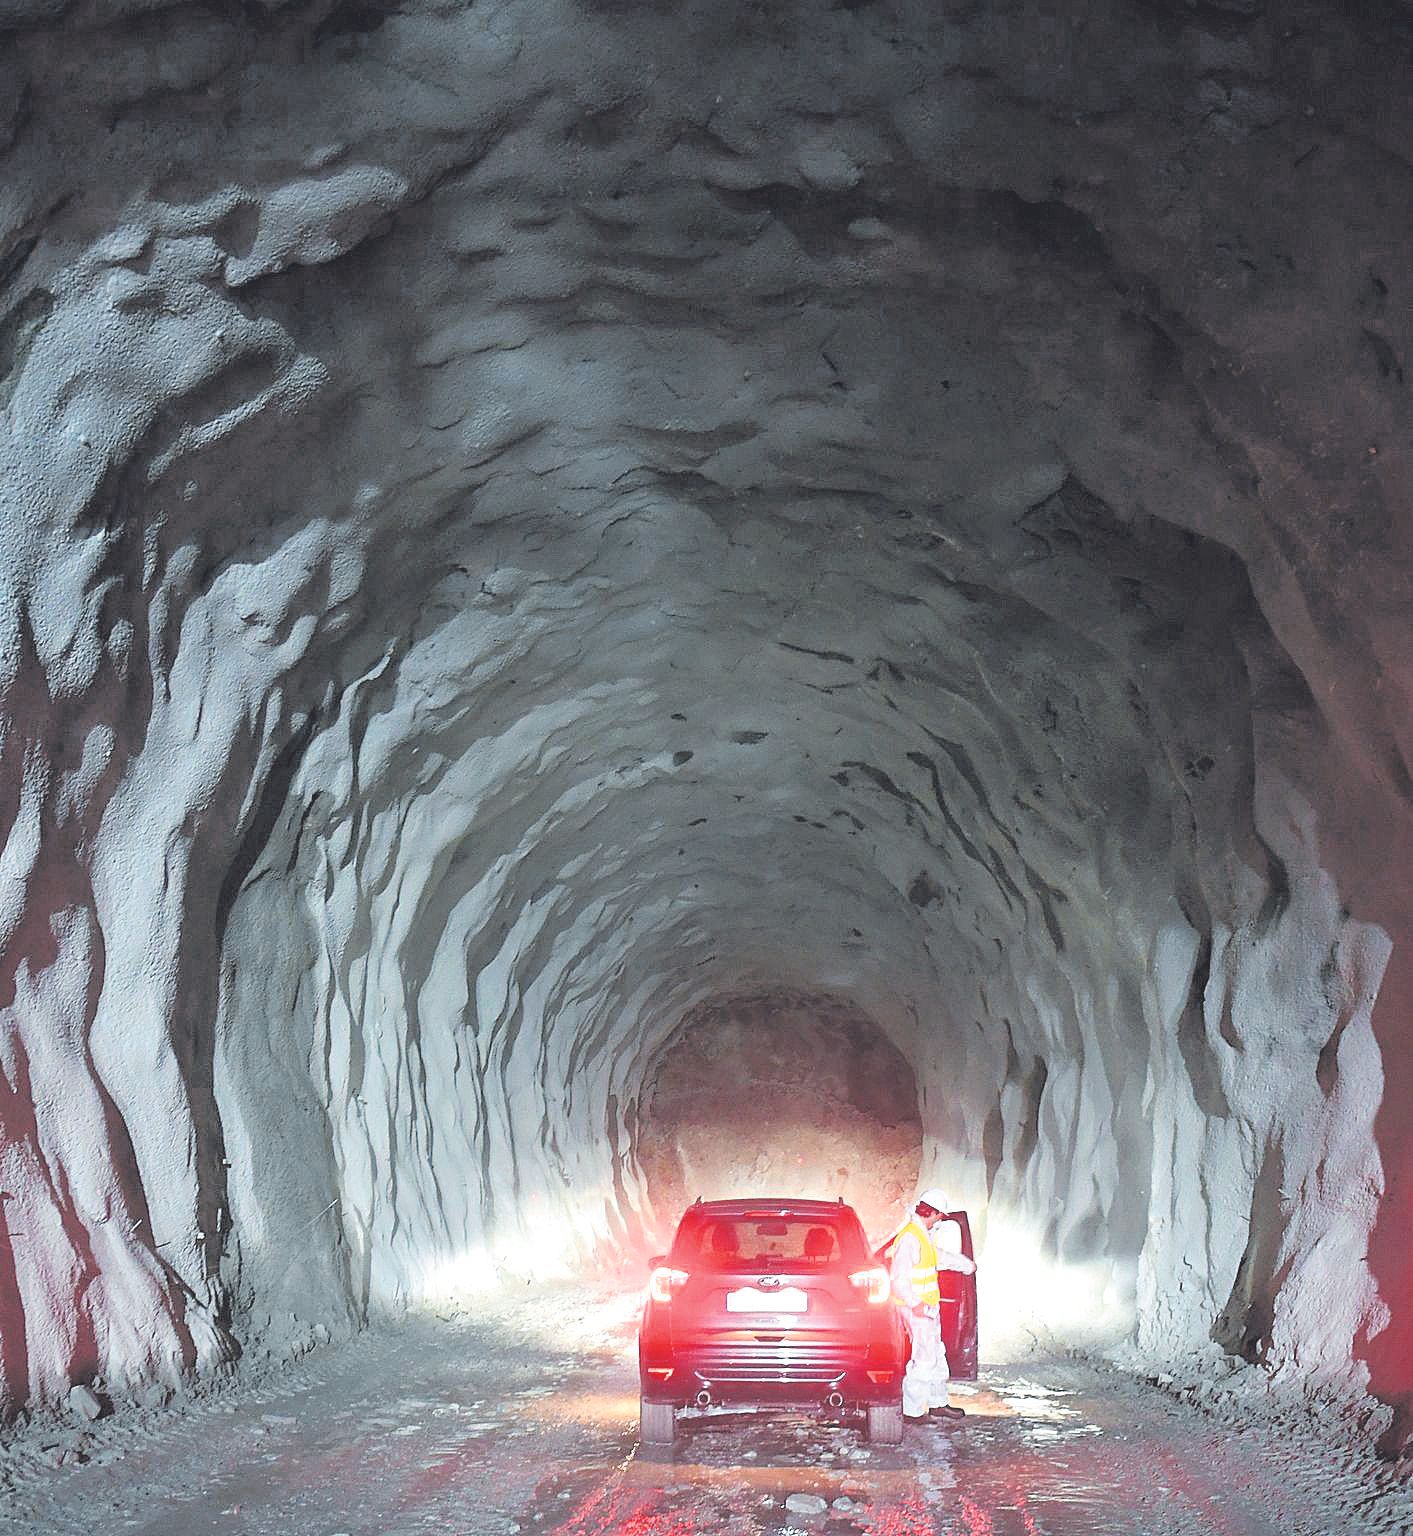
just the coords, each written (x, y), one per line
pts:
(604, 601)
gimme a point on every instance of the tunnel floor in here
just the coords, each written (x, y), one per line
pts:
(525, 1421)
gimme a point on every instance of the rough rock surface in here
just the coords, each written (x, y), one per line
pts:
(523, 519)
(780, 1095)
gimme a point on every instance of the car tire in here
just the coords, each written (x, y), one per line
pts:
(885, 1423)
(657, 1423)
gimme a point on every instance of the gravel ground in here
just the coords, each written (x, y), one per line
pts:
(523, 1418)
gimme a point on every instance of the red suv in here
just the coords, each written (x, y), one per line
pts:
(770, 1301)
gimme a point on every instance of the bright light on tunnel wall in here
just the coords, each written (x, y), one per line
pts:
(1028, 1299)
(780, 1094)
(548, 1243)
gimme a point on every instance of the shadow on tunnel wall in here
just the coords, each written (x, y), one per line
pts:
(1388, 1351)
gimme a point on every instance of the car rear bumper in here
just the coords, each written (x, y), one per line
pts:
(746, 1372)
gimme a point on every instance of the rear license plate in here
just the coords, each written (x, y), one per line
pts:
(749, 1299)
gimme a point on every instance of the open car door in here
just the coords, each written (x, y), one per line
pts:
(958, 1309)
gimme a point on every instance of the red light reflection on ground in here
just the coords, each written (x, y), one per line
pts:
(978, 1521)
(605, 1510)
(1031, 1528)
(909, 1518)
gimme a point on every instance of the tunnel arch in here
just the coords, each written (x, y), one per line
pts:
(903, 491)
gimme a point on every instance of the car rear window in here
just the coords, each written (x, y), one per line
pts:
(768, 1240)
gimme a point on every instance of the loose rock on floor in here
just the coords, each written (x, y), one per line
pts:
(524, 1420)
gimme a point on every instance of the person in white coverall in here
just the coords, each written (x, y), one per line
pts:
(913, 1266)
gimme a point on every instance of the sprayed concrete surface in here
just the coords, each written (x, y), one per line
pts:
(524, 1419)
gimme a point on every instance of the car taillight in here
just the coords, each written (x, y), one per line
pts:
(874, 1281)
(663, 1282)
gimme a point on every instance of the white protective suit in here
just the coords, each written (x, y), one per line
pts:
(926, 1379)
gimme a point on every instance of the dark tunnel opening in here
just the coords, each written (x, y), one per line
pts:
(780, 1093)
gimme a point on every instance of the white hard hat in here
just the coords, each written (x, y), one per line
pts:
(938, 1199)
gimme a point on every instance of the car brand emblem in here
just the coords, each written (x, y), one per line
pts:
(769, 1282)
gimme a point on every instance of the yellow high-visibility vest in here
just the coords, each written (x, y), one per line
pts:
(925, 1270)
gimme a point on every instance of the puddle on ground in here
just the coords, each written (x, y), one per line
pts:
(735, 1473)
(1026, 1461)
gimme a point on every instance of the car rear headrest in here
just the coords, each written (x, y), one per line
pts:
(819, 1243)
(725, 1238)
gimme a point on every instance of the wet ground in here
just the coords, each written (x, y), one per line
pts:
(526, 1421)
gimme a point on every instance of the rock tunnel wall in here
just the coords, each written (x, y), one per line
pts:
(523, 520)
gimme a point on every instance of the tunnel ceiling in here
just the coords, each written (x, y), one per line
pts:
(523, 520)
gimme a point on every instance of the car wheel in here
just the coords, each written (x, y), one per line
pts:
(657, 1423)
(885, 1423)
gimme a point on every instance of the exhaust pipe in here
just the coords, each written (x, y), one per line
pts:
(704, 1398)
(835, 1400)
